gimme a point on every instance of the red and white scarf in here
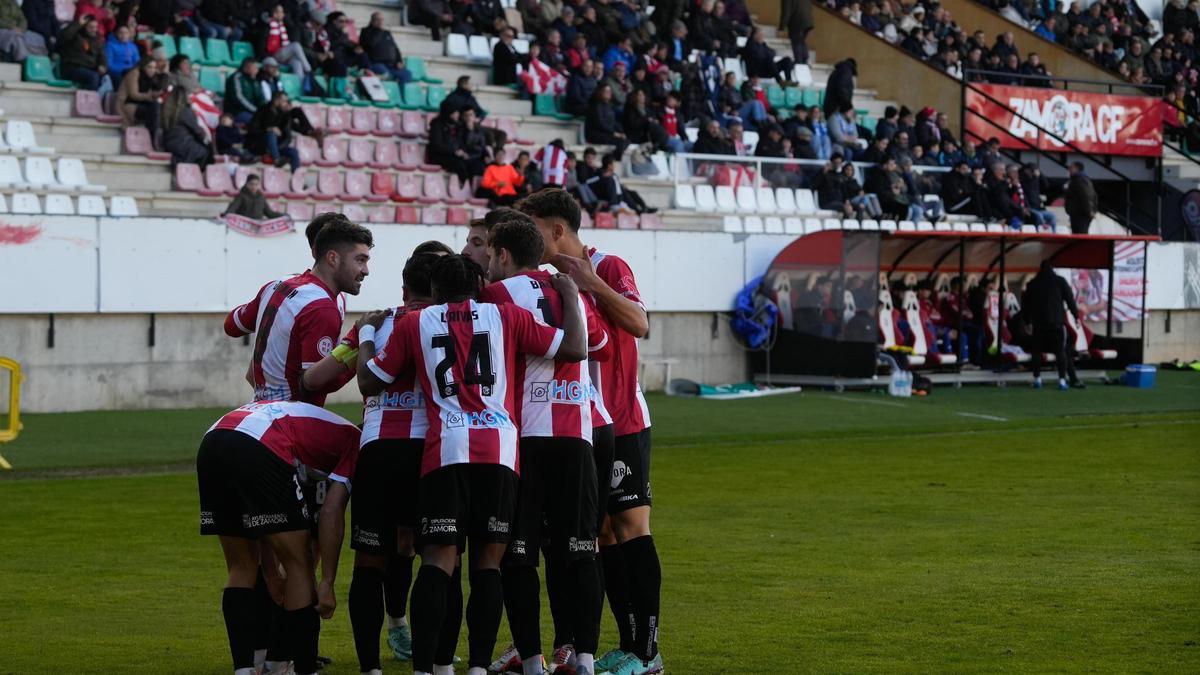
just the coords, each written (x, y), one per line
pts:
(540, 78)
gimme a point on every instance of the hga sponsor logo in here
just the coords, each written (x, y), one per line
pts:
(488, 419)
(400, 400)
(559, 391)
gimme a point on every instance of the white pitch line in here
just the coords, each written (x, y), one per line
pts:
(994, 418)
(867, 400)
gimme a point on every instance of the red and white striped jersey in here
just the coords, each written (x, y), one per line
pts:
(554, 398)
(299, 432)
(398, 411)
(619, 382)
(295, 322)
(465, 356)
(553, 161)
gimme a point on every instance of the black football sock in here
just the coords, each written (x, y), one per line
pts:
(264, 609)
(584, 584)
(304, 627)
(616, 587)
(447, 641)
(396, 583)
(558, 589)
(645, 576)
(484, 607)
(366, 615)
(237, 604)
(279, 649)
(428, 612)
(521, 599)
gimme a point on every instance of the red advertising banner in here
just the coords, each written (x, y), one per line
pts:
(1102, 124)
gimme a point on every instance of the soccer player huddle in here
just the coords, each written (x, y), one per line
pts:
(503, 421)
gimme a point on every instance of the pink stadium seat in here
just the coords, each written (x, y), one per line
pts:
(299, 185)
(459, 192)
(188, 177)
(354, 212)
(651, 221)
(435, 189)
(241, 174)
(457, 215)
(275, 181)
(358, 186)
(627, 221)
(301, 212)
(381, 214)
(333, 151)
(362, 152)
(219, 182)
(383, 185)
(362, 121)
(433, 215)
(585, 219)
(386, 155)
(408, 188)
(412, 155)
(408, 215)
(479, 211)
(387, 124)
(137, 141)
(604, 220)
(337, 119)
(509, 127)
(87, 104)
(412, 124)
(308, 148)
(315, 114)
(329, 185)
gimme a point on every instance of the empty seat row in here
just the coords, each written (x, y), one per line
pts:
(405, 215)
(763, 201)
(19, 137)
(40, 172)
(478, 48)
(28, 203)
(327, 185)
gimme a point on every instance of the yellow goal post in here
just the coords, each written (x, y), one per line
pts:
(13, 428)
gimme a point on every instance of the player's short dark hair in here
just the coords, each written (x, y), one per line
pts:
(432, 246)
(315, 225)
(340, 233)
(520, 237)
(416, 273)
(499, 215)
(552, 202)
(455, 277)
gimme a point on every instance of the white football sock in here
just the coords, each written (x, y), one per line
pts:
(260, 657)
(443, 670)
(532, 665)
(244, 671)
(585, 664)
(397, 621)
(477, 671)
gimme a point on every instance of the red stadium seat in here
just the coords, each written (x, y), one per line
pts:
(433, 215)
(354, 212)
(301, 212)
(627, 221)
(309, 151)
(362, 121)
(408, 188)
(333, 152)
(459, 192)
(241, 174)
(299, 186)
(219, 182)
(412, 155)
(435, 189)
(330, 185)
(605, 221)
(337, 119)
(137, 142)
(188, 177)
(457, 215)
(358, 186)
(386, 155)
(412, 124)
(275, 181)
(381, 214)
(362, 152)
(315, 114)
(383, 186)
(408, 215)
(387, 124)
(509, 127)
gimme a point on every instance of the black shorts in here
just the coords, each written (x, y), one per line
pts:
(557, 499)
(385, 493)
(245, 489)
(630, 484)
(461, 501)
(603, 448)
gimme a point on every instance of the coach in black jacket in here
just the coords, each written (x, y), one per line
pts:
(1047, 298)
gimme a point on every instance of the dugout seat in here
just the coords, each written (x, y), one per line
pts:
(924, 342)
(1080, 337)
(891, 337)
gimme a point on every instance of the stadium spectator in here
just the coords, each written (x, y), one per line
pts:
(101, 12)
(580, 88)
(1046, 299)
(445, 142)
(278, 43)
(462, 97)
(601, 124)
(17, 37)
(843, 132)
(796, 16)
(181, 74)
(268, 78)
(961, 194)
(1028, 178)
(121, 53)
(1081, 201)
(506, 59)
(639, 126)
(40, 20)
(271, 128)
(1002, 202)
(613, 196)
(474, 143)
(138, 101)
(618, 81)
(435, 15)
(231, 141)
(878, 150)
(620, 52)
(828, 187)
(839, 88)
(760, 60)
(250, 201)
(502, 183)
(335, 51)
(81, 53)
(383, 56)
(182, 135)
(531, 171)
(223, 19)
(243, 93)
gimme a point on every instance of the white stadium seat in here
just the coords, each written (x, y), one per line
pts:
(733, 224)
(685, 198)
(519, 44)
(766, 201)
(71, 174)
(456, 46)
(26, 203)
(978, 227)
(943, 226)
(706, 199)
(3, 204)
(479, 50)
(1029, 229)
(995, 228)
(59, 205)
(960, 227)
(802, 75)
(907, 226)
(793, 225)
(887, 225)
(20, 138)
(849, 224)
(123, 206)
(812, 225)
(785, 201)
(39, 172)
(832, 224)
(726, 200)
(806, 204)
(746, 203)
(750, 138)
(92, 205)
(753, 224)
(924, 226)
(869, 224)
(773, 225)
(1062, 229)
(10, 172)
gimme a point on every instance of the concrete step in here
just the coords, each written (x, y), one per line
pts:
(19, 99)
(10, 72)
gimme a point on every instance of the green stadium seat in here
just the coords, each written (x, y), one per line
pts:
(775, 96)
(543, 104)
(212, 80)
(414, 96)
(793, 97)
(416, 66)
(321, 82)
(335, 92)
(809, 97)
(241, 52)
(41, 69)
(395, 100)
(191, 48)
(820, 97)
(292, 85)
(218, 54)
(434, 95)
(167, 42)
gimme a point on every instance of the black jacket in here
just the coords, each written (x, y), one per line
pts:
(504, 64)
(379, 45)
(712, 145)
(444, 140)
(760, 60)
(1045, 297)
(839, 89)
(602, 119)
(461, 99)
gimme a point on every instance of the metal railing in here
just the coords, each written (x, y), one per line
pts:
(686, 163)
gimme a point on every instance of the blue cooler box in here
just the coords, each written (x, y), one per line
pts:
(1140, 375)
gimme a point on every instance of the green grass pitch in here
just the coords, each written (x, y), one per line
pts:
(976, 530)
